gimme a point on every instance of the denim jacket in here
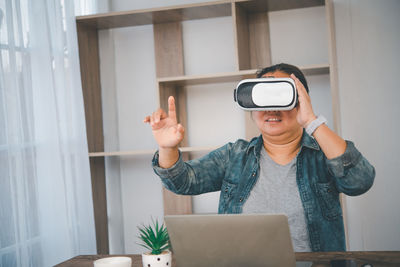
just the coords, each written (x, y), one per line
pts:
(234, 169)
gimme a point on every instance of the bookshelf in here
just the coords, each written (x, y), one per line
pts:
(252, 51)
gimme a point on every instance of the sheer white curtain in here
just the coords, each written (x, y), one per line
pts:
(46, 209)
(87, 7)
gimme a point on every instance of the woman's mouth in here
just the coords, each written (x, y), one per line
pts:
(274, 119)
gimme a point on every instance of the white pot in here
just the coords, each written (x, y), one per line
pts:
(164, 259)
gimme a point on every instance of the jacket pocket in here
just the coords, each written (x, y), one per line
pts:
(228, 189)
(328, 198)
(227, 192)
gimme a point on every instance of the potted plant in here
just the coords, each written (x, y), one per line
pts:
(155, 238)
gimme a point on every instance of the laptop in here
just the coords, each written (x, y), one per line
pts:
(230, 240)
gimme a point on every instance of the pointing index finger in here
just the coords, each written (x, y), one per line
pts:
(172, 109)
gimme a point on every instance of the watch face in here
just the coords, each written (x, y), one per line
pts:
(266, 94)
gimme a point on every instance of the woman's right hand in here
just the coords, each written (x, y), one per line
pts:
(166, 130)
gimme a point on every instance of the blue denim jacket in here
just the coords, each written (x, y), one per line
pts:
(234, 169)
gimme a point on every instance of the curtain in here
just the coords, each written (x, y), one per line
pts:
(46, 209)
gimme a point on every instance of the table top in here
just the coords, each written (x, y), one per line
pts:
(353, 258)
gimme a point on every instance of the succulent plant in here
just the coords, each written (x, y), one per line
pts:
(154, 237)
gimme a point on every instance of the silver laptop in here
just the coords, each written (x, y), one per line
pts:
(230, 240)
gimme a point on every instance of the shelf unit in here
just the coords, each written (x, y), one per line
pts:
(252, 46)
(148, 152)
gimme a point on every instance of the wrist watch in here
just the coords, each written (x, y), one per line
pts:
(312, 126)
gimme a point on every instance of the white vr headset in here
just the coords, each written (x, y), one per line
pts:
(266, 94)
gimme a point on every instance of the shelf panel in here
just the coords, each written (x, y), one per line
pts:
(207, 78)
(316, 69)
(148, 152)
(276, 5)
(157, 15)
(188, 12)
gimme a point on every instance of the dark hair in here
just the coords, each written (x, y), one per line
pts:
(286, 68)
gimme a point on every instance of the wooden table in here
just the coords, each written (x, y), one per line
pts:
(345, 259)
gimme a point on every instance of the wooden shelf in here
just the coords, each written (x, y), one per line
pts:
(157, 15)
(316, 69)
(271, 5)
(147, 152)
(250, 23)
(207, 78)
(187, 12)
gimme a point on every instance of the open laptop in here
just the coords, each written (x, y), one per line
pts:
(230, 240)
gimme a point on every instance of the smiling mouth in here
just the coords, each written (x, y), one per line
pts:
(273, 120)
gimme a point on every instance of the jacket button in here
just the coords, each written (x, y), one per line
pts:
(241, 199)
(254, 174)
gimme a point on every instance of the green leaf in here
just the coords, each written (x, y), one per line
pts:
(154, 237)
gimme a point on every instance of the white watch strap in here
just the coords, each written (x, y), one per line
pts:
(312, 126)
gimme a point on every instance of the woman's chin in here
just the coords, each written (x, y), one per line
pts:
(281, 132)
(273, 131)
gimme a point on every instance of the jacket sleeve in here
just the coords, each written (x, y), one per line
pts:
(195, 176)
(354, 175)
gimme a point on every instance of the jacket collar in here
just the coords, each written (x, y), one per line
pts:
(306, 141)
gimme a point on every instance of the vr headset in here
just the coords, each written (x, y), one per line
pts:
(266, 94)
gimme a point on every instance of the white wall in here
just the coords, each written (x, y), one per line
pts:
(133, 190)
(208, 47)
(299, 36)
(368, 43)
(111, 143)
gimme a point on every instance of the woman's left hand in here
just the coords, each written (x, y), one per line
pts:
(305, 113)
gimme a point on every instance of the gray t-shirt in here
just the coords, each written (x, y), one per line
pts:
(276, 191)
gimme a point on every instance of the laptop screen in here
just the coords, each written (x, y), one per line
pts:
(230, 240)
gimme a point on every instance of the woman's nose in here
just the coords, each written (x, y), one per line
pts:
(273, 112)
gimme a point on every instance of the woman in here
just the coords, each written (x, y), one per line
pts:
(297, 166)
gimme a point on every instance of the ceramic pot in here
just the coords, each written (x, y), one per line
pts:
(164, 259)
